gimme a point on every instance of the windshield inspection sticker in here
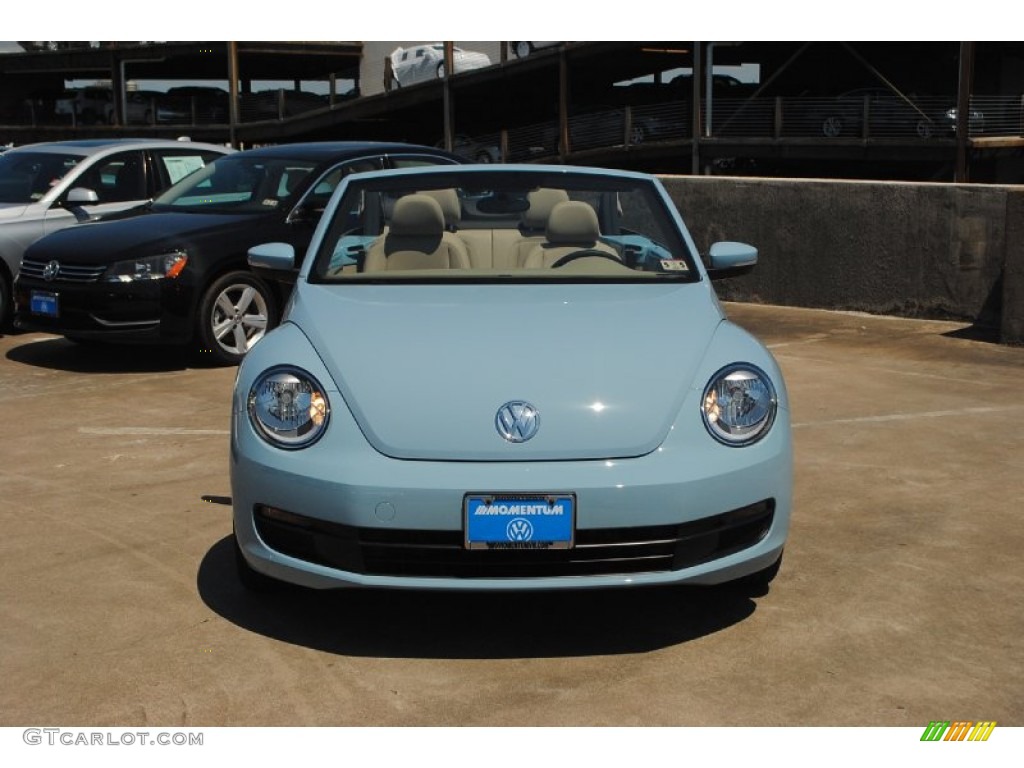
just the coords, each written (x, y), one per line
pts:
(673, 265)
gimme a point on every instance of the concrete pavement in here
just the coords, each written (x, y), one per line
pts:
(898, 602)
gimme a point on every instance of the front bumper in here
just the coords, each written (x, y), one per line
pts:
(341, 515)
(147, 311)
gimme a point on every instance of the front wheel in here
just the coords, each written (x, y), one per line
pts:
(236, 311)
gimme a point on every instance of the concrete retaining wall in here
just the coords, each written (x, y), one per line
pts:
(939, 251)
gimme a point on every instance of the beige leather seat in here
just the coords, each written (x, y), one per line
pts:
(417, 239)
(572, 227)
(535, 221)
(448, 199)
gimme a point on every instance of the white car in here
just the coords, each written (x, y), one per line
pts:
(523, 49)
(426, 62)
(46, 187)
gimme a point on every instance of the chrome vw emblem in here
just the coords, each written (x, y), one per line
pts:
(51, 271)
(519, 530)
(517, 421)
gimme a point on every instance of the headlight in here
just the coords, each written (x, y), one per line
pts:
(148, 268)
(288, 408)
(739, 405)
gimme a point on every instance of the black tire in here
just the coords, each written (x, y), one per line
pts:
(251, 579)
(6, 304)
(237, 310)
(522, 50)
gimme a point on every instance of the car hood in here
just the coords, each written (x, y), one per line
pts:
(426, 369)
(145, 234)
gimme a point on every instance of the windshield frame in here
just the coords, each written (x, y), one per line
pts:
(678, 246)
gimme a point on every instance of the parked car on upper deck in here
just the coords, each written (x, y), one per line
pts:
(522, 49)
(881, 112)
(174, 271)
(87, 105)
(46, 187)
(205, 103)
(426, 62)
(154, 107)
(473, 150)
(508, 378)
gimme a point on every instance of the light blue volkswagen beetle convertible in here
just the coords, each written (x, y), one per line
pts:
(507, 378)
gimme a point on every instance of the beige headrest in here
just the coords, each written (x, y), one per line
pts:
(448, 199)
(572, 222)
(541, 202)
(417, 215)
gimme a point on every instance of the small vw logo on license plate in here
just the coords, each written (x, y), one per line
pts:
(519, 530)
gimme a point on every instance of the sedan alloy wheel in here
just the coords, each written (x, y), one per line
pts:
(236, 312)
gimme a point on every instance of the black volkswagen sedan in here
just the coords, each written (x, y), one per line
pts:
(174, 271)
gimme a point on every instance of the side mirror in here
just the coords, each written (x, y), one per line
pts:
(82, 196)
(274, 261)
(729, 259)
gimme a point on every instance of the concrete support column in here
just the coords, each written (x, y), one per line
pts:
(1012, 327)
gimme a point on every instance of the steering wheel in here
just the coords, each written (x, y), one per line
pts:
(584, 253)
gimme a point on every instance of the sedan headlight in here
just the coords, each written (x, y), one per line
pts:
(288, 408)
(148, 268)
(739, 405)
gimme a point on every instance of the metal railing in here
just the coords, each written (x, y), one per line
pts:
(850, 117)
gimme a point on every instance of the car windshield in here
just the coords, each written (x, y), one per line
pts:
(239, 184)
(26, 176)
(515, 223)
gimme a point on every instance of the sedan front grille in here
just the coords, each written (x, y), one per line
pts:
(64, 273)
(426, 553)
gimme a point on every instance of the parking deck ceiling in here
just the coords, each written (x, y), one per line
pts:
(194, 60)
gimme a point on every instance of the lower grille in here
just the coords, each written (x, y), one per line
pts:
(603, 551)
